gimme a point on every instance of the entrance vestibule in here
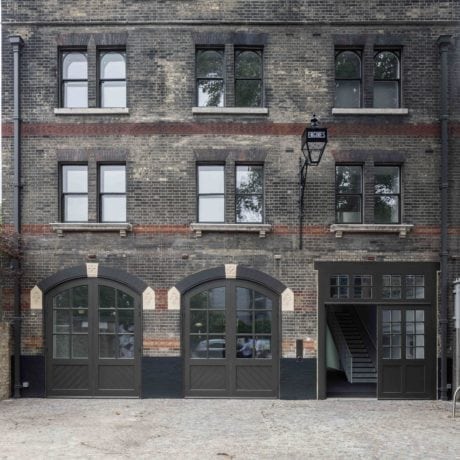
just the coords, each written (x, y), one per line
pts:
(377, 326)
(351, 350)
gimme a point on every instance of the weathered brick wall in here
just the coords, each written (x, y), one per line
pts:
(5, 354)
(232, 10)
(162, 140)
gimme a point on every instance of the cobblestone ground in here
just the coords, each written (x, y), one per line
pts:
(227, 429)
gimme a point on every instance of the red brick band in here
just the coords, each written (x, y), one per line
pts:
(223, 129)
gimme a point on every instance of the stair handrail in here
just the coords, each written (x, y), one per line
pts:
(345, 354)
(454, 401)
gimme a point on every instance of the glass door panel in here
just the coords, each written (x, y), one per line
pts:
(116, 324)
(253, 318)
(70, 323)
(207, 326)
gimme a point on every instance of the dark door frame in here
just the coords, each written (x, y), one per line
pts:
(276, 345)
(93, 361)
(327, 269)
(404, 362)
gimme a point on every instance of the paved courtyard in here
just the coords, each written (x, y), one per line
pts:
(227, 429)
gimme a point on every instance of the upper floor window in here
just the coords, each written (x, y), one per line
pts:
(74, 79)
(387, 191)
(213, 82)
(387, 79)
(248, 78)
(211, 193)
(74, 193)
(210, 77)
(348, 76)
(249, 193)
(112, 79)
(349, 194)
(112, 193)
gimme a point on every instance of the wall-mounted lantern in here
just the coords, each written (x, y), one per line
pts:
(314, 140)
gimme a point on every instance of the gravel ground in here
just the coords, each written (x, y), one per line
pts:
(227, 429)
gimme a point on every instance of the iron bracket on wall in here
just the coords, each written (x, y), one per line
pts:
(303, 170)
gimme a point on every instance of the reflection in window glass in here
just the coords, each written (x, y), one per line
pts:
(248, 78)
(391, 334)
(348, 78)
(339, 286)
(116, 324)
(249, 193)
(348, 184)
(392, 288)
(362, 286)
(415, 334)
(70, 323)
(415, 286)
(387, 79)
(210, 78)
(253, 317)
(387, 195)
(208, 324)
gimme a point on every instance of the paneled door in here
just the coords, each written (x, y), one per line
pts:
(93, 340)
(406, 353)
(231, 340)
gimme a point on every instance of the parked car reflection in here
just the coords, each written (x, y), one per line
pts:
(212, 348)
(246, 347)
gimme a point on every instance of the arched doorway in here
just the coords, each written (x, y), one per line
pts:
(93, 339)
(231, 340)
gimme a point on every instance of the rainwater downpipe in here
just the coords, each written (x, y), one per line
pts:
(457, 330)
(444, 43)
(17, 43)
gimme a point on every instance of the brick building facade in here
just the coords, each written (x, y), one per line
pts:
(163, 256)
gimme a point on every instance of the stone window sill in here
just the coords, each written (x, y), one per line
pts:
(262, 229)
(61, 227)
(369, 111)
(92, 111)
(340, 229)
(229, 111)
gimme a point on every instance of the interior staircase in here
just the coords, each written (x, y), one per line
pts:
(356, 350)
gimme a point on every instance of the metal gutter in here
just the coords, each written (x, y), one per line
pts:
(444, 43)
(17, 43)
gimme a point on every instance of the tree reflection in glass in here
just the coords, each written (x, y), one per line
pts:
(248, 78)
(386, 79)
(249, 193)
(387, 192)
(348, 184)
(348, 78)
(210, 78)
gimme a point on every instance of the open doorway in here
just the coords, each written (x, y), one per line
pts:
(351, 344)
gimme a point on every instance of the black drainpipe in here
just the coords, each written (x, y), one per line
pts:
(444, 43)
(17, 43)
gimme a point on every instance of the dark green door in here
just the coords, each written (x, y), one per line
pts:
(406, 353)
(93, 336)
(231, 340)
